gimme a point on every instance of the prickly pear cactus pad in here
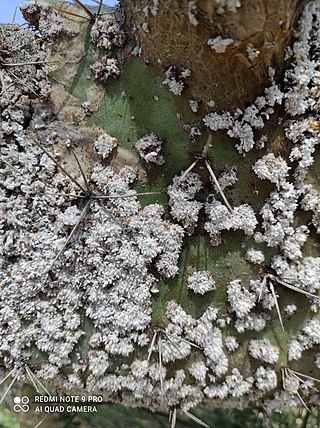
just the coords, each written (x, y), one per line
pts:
(154, 249)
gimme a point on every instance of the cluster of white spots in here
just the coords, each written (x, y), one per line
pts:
(106, 32)
(227, 5)
(234, 385)
(220, 218)
(201, 282)
(252, 52)
(105, 68)
(311, 202)
(219, 44)
(51, 23)
(272, 168)
(307, 339)
(262, 349)
(303, 273)
(104, 145)
(294, 241)
(240, 299)
(266, 378)
(278, 214)
(290, 309)
(227, 178)
(176, 80)
(199, 371)
(303, 76)
(254, 256)
(194, 105)
(149, 148)
(305, 136)
(29, 80)
(183, 206)
(231, 343)
(192, 12)
(202, 334)
(241, 124)
(153, 8)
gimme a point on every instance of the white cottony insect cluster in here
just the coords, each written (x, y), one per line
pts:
(149, 148)
(88, 272)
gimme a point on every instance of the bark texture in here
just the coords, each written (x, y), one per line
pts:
(231, 78)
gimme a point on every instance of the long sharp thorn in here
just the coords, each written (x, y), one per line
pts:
(39, 423)
(11, 166)
(32, 380)
(300, 398)
(174, 345)
(61, 167)
(78, 2)
(95, 196)
(73, 231)
(71, 13)
(70, 195)
(184, 175)
(194, 418)
(306, 376)
(82, 172)
(22, 82)
(302, 381)
(99, 9)
(207, 146)
(160, 366)
(17, 64)
(264, 281)
(151, 345)
(292, 287)
(216, 182)
(174, 418)
(6, 377)
(9, 387)
(276, 303)
(39, 383)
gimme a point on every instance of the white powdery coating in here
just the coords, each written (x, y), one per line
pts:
(104, 145)
(194, 105)
(192, 11)
(106, 32)
(231, 343)
(303, 76)
(266, 378)
(183, 206)
(294, 241)
(290, 309)
(149, 148)
(295, 350)
(227, 178)
(278, 214)
(220, 218)
(255, 256)
(229, 5)
(199, 371)
(219, 44)
(240, 299)
(105, 68)
(303, 273)
(176, 80)
(272, 168)
(262, 349)
(201, 282)
(252, 51)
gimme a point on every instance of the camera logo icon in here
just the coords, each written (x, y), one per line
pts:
(21, 404)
